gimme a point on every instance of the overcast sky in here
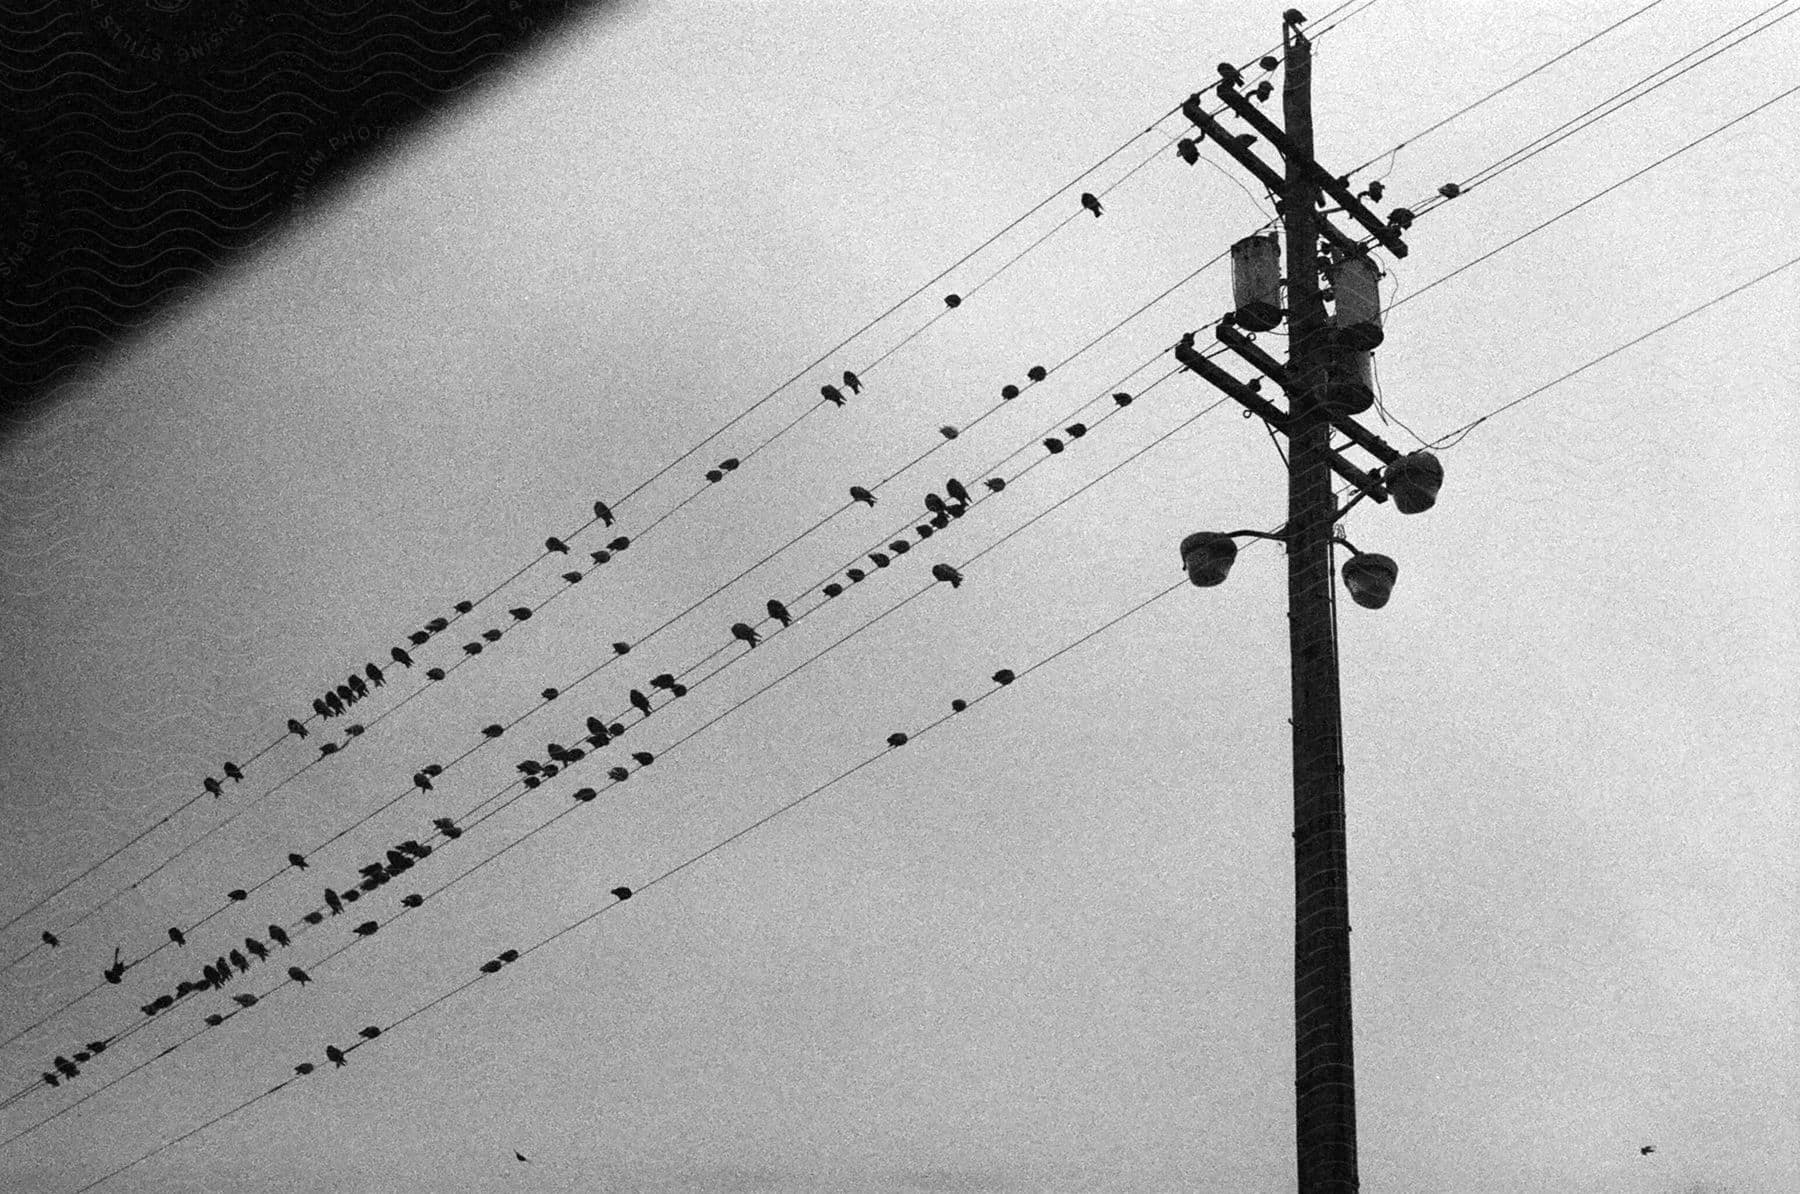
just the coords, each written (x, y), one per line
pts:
(1047, 945)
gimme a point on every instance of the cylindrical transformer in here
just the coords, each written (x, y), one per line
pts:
(1357, 318)
(1256, 282)
(1349, 382)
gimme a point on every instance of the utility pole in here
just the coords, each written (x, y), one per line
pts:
(1324, 1080)
(1325, 379)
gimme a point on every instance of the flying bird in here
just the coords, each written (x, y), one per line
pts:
(298, 975)
(1646, 1150)
(1091, 203)
(641, 703)
(176, 936)
(520, 1156)
(298, 861)
(859, 494)
(832, 394)
(741, 630)
(853, 381)
(278, 935)
(295, 728)
(945, 572)
(780, 613)
(955, 489)
(335, 1055)
(401, 657)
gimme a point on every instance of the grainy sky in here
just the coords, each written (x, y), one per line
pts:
(1047, 944)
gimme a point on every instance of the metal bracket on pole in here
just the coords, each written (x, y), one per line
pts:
(1240, 103)
(1235, 340)
(1269, 413)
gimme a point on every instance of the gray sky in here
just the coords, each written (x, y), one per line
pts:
(1048, 944)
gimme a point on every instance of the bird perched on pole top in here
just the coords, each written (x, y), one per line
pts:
(1092, 203)
(1293, 16)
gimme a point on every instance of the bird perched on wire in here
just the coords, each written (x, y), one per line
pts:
(401, 657)
(642, 758)
(859, 494)
(955, 489)
(896, 739)
(1187, 150)
(853, 382)
(367, 928)
(278, 935)
(640, 702)
(244, 1000)
(298, 861)
(741, 630)
(333, 902)
(319, 707)
(257, 949)
(780, 613)
(335, 1055)
(945, 572)
(234, 773)
(240, 961)
(1004, 676)
(833, 395)
(334, 702)
(556, 545)
(1092, 203)
(298, 975)
(994, 484)
(176, 936)
(621, 893)
(295, 728)
(492, 636)
(604, 513)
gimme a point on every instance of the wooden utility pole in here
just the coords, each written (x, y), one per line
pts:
(1324, 1077)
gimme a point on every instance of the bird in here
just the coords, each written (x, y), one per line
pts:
(924, 530)
(114, 973)
(1091, 203)
(619, 544)
(521, 614)
(1293, 16)
(346, 694)
(946, 573)
(958, 705)
(520, 1156)
(367, 928)
(853, 382)
(333, 902)
(401, 657)
(1008, 392)
(556, 545)
(257, 949)
(881, 560)
(642, 758)
(618, 774)
(233, 773)
(415, 900)
(994, 484)
(832, 590)
(1187, 150)
(295, 728)
(237, 894)
(298, 861)
(304, 1068)
(298, 975)
(640, 702)
(855, 574)
(621, 648)
(492, 636)
(859, 494)
(421, 782)
(313, 917)
(434, 673)
(1076, 430)
(176, 936)
(896, 739)
(585, 794)
(319, 707)
(210, 974)
(492, 731)
(1053, 445)
(955, 489)
(358, 685)
(369, 1033)
(334, 702)
(953, 301)
(1263, 91)
(1122, 398)
(240, 961)
(948, 432)
(621, 893)
(374, 675)
(1646, 1150)
(335, 1055)
(472, 648)
(741, 630)
(278, 935)
(1037, 373)
(663, 680)
(833, 395)
(491, 966)
(330, 748)
(934, 503)
(1004, 676)
(244, 1000)
(899, 547)
(419, 638)
(780, 613)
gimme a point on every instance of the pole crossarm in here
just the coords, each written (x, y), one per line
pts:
(1296, 159)
(1371, 443)
(1271, 414)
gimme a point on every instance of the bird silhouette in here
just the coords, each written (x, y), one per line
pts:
(491, 966)
(401, 657)
(278, 935)
(934, 503)
(492, 636)
(556, 545)
(880, 558)
(945, 572)
(240, 961)
(520, 1156)
(358, 685)
(994, 484)
(244, 1000)
(859, 494)
(374, 675)
(369, 1033)
(955, 489)
(472, 648)
(367, 928)
(334, 1055)
(298, 861)
(333, 902)
(642, 758)
(741, 630)
(1076, 430)
(896, 740)
(1646, 1150)
(330, 748)
(1187, 150)
(257, 949)
(421, 782)
(1004, 676)
(663, 680)
(1293, 16)
(941, 519)
(899, 547)
(434, 673)
(419, 638)
(1053, 445)
(319, 707)
(948, 432)
(346, 692)
(573, 578)
(853, 382)
(780, 613)
(176, 936)
(295, 728)
(640, 702)
(1037, 373)
(953, 301)
(618, 774)
(832, 394)
(298, 975)
(833, 589)
(958, 705)
(855, 574)
(334, 702)
(1091, 203)
(492, 731)
(924, 530)
(621, 893)
(520, 614)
